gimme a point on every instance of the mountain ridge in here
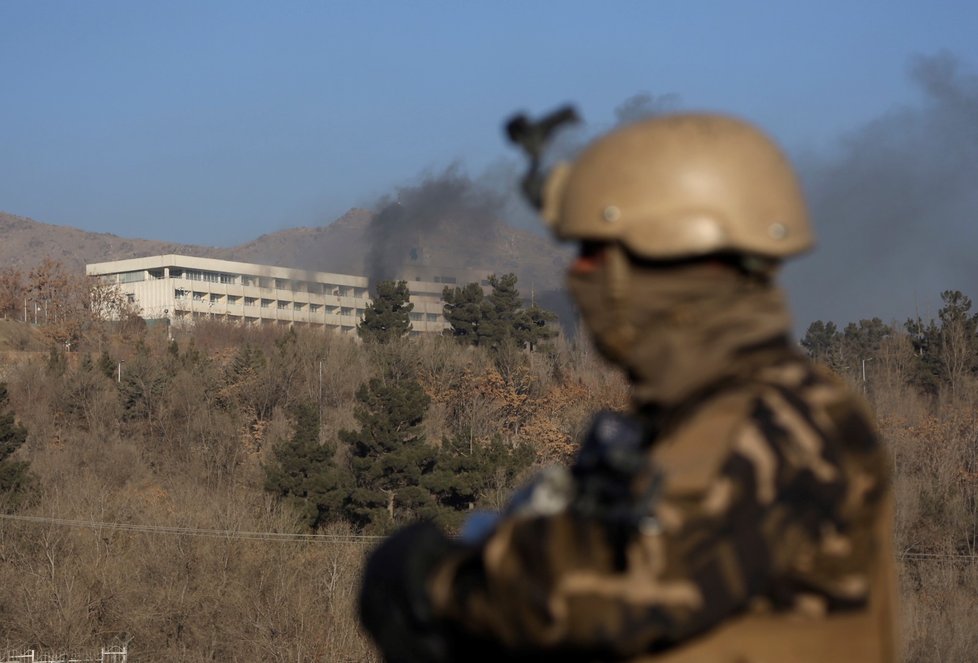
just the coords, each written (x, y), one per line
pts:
(342, 246)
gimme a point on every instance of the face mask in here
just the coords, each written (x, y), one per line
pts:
(677, 329)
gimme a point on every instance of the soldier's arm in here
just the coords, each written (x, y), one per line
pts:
(784, 518)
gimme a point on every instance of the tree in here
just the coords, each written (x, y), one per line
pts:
(144, 381)
(501, 315)
(16, 483)
(13, 293)
(849, 351)
(387, 316)
(463, 311)
(305, 473)
(822, 340)
(69, 307)
(389, 455)
(947, 352)
(498, 320)
(535, 326)
(465, 473)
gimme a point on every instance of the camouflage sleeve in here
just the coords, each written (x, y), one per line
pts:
(783, 518)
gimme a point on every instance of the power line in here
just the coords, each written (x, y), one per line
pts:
(925, 555)
(288, 537)
(193, 531)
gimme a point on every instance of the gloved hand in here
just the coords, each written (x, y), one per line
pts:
(394, 605)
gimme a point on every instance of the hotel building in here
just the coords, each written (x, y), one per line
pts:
(182, 289)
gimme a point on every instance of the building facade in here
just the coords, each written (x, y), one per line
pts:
(182, 289)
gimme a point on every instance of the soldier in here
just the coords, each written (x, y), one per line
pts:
(741, 511)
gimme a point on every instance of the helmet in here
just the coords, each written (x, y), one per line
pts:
(681, 186)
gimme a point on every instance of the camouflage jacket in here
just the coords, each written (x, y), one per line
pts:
(770, 543)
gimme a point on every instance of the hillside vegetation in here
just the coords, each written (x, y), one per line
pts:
(175, 441)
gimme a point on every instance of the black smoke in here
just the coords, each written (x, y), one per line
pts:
(447, 203)
(894, 202)
(895, 205)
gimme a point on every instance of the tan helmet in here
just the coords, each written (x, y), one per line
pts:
(680, 186)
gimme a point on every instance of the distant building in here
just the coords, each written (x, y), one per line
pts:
(182, 289)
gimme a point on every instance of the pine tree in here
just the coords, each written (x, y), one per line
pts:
(387, 316)
(822, 340)
(501, 314)
(946, 352)
(466, 474)
(17, 485)
(389, 455)
(463, 311)
(304, 472)
(535, 325)
(496, 321)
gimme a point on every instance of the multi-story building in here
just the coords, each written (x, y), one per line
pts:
(181, 289)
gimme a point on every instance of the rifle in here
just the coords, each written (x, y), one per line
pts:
(533, 137)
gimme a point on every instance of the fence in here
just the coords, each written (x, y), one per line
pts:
(107, 655)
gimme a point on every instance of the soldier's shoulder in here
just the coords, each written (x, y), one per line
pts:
(819, 397)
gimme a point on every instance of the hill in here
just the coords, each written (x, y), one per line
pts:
(348, 246)
(26, 243)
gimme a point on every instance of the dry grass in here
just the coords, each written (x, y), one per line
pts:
(192, 458)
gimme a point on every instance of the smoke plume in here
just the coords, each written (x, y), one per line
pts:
(446, 203)
(894, 203)
(895, 206)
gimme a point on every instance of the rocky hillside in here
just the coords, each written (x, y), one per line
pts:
(24, 243)
(342, 246)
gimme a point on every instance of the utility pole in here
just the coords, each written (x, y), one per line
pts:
(864, 372)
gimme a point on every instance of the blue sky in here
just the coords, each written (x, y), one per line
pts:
(216, 122)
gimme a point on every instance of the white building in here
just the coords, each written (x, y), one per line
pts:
(182, 289)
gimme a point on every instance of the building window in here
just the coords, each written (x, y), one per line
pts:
(132, 277)
(298, 306)
(266, 303)
(417, 317)
(431, 317)
(282, 305)
(208, 277)
(156, 274)
(250, 301)
(314, 308)
(346, 311)
(233, 299)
